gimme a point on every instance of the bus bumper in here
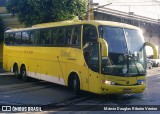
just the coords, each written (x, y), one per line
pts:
(116, 89)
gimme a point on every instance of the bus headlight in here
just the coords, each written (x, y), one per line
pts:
(141, 82)
(108, 82)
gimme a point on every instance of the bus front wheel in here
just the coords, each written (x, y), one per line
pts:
(74, 84)
(23, 73)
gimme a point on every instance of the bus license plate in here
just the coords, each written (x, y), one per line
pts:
(126, 90)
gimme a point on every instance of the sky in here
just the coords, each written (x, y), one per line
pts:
(147, 8)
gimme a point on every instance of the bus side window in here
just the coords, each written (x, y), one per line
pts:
(35, 39)
(76, 35)
(12, 39)
(46, 35)
(61, 36)
(69, 32)
(25, 37)
(54, 36)
(17, 38)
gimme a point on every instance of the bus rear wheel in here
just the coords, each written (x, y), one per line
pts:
(15, 71)
(24, 74)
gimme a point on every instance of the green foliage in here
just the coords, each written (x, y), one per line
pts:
(1, 30)
(32, 12)
(2, 2)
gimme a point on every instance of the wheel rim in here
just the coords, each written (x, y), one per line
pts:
(23, 74)
(15, 71)
(74, 84)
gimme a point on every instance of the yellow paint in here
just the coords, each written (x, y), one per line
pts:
(1, 52)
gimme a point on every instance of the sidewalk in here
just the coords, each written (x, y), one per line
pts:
(1, 69)
(3, 72)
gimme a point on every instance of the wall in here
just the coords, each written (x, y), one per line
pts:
(155, 39)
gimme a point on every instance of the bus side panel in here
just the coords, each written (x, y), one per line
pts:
(57, 65)
(83, 70)
(5, 63)
(1, 52)
(5, 58)
(94, 81)
(50, 71)
(34, 68)
(63, 76)
(11, 57)
(45, 65)
(77, 65)
(83, 76)
(11, 62)
(8, 59)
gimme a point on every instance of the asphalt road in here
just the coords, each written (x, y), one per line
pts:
(52, 97)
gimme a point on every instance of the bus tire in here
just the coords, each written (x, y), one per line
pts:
(15, 71)
(74, 84)
(23, 73)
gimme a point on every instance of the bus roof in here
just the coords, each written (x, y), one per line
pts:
(77, 22)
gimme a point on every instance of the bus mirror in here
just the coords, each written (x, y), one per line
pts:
(104, 47)
(155, 50)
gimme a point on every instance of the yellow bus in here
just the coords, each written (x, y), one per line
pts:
(96, 56)
(1, 52)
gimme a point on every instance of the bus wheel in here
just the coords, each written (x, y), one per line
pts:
(76, 85)
(15, 71)
(23, 73)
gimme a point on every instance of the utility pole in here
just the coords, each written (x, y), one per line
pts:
(90, 12)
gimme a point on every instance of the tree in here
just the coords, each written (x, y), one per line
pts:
(1, 30)
(2, 2)
(32, 12)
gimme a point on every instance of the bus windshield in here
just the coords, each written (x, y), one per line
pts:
(126, 57)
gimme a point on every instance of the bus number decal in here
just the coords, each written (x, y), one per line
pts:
(65, 54)
(28, 51)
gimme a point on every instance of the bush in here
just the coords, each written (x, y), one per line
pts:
(2, 2)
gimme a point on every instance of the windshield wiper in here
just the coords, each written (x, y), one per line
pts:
(133, 58)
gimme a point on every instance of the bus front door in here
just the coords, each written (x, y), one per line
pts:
(94, 68)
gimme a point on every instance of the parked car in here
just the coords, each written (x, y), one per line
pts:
(149, 64)
(156, 62)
